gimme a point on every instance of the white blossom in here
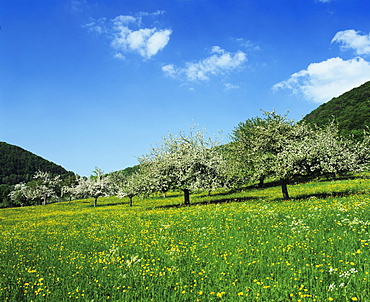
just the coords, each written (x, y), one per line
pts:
(98, 185)
(187, 162)
(278, 147)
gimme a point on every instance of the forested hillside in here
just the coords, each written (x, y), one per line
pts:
(19, 165)
(351, 111)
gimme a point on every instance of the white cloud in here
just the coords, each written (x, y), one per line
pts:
(119, 56)
(322, 81)
(249, 45)
(219, 62)
(124, 38)
(96, 26)
(158, 41)
(352, 39)
(169, 70)
(229, 86)
(78, 6)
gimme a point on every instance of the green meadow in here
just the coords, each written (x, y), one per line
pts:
(231, 246)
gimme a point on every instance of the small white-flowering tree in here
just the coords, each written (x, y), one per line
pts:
(362, 149)
(19, 195)
(98, 185)
(277, 147)
(43, 188)
(46, 186)
(321, 152)
(68, 186)
(133, 185)
(160, 181)
(187, 162)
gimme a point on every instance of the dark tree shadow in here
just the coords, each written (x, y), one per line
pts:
(109, 204)
(322, 195)
(208, 202)
(326, 195)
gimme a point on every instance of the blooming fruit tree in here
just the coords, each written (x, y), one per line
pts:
(280, 148)
(185, 162)
(96, 186)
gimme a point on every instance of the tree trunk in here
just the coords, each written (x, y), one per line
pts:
(130, 197)
(44, 202)
(95, 200)
(284, 189)
(262, 181)
(186, 197)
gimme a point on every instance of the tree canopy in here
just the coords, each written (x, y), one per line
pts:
(276, 146)
(185, 162)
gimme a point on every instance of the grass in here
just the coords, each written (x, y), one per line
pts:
(243, 246)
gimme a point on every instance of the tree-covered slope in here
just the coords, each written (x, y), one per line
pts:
(351, 111)
(19, 165)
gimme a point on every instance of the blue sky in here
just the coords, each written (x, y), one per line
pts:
(96, 83)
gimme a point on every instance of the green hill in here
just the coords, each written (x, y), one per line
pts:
(19, 165)
(351, 111)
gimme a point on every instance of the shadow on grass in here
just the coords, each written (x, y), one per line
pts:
(107, 204)
(322, 195)
(327, 195)
(208, 202)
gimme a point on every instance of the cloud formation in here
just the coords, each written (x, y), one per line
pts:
(127, 35)
(229, 86)
(219, 62)
(351, 39)
(322, 81)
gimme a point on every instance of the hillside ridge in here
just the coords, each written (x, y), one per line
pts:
(351, 111)
(19, 165)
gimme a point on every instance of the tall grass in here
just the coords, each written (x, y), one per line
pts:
(244, 246)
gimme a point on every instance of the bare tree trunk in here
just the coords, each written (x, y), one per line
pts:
(262, 181)
(95, 200)
(131, 197)
(284, 189)
(44, 202)
(186, 197)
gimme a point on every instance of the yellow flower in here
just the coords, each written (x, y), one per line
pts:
(200, 293)
(240, 294)
(330, 299)
(354, 299)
